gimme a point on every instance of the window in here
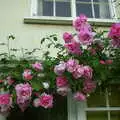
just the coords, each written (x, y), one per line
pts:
(71, 8)
(99, 106)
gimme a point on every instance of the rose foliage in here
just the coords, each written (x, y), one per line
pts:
(87, 60)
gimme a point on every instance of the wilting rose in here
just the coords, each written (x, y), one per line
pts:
(79, 96)
(37, 66)
(71, 65)
(27, 74)
(67, 37)
(46, 100)
(36, 102)
(60, 69)
(61, 81)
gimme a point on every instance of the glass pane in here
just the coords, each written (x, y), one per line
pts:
(99, 115)
(45, 7)
(83, 1)
(114, 97)
(96, 99)
(58, 112)
(101, 8)
(63, 9)
(84, 9)
(115, 115)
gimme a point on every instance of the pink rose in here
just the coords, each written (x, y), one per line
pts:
(85, 37)
(73, 48)
(61, 81)
(36, 102)
(79, 71)
(46, 100)
(27, 74)
(37, 66)
(79, 21)
(87, 72)
(89, 86)
(23, 91)
(67, 37)
(5, 99)
(63, 91)
(71, 65)
(102, 62)
(60, 69)
(114, 34)
(79, 96)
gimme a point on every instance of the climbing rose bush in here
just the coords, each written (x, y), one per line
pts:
(84, 62)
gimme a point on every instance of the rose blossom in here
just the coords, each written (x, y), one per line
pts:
(79, 96)
(63, 91)
(73, 48)
(10, 81)
(79, 21)
(5, 102)
(27, 74)
(71, 65)
(23, 91)
(4, 99)
(88, 72)
(37, 66)
(61, 81)
(114, 34)
(85, 37)
(60, 69)
(46, 100)
(89, 86)
(79, 71)
(67, 37)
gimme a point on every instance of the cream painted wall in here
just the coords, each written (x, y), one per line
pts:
(12, 13)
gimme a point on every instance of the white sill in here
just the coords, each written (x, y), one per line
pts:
(66, 21)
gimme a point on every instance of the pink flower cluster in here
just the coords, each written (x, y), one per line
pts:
(78, 71)
(114, 34)
(45, 100)
(5, 102)
(84, 30)
(23, 92)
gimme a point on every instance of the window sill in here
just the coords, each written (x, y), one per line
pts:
(66, 21)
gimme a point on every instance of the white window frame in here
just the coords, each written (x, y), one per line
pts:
(73, 8)
(34, 19)
(77, 110)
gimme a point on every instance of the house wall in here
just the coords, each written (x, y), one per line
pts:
(12, 13)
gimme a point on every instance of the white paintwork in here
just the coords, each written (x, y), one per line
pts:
(2, 117)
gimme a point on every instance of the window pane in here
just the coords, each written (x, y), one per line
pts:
(114, 96)
(63, 8)
(45, 7)
(83, 1)
(96, 99)
(48, 8)
(115, 115)
(101, 8)
(99, 115)
(84, 9)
